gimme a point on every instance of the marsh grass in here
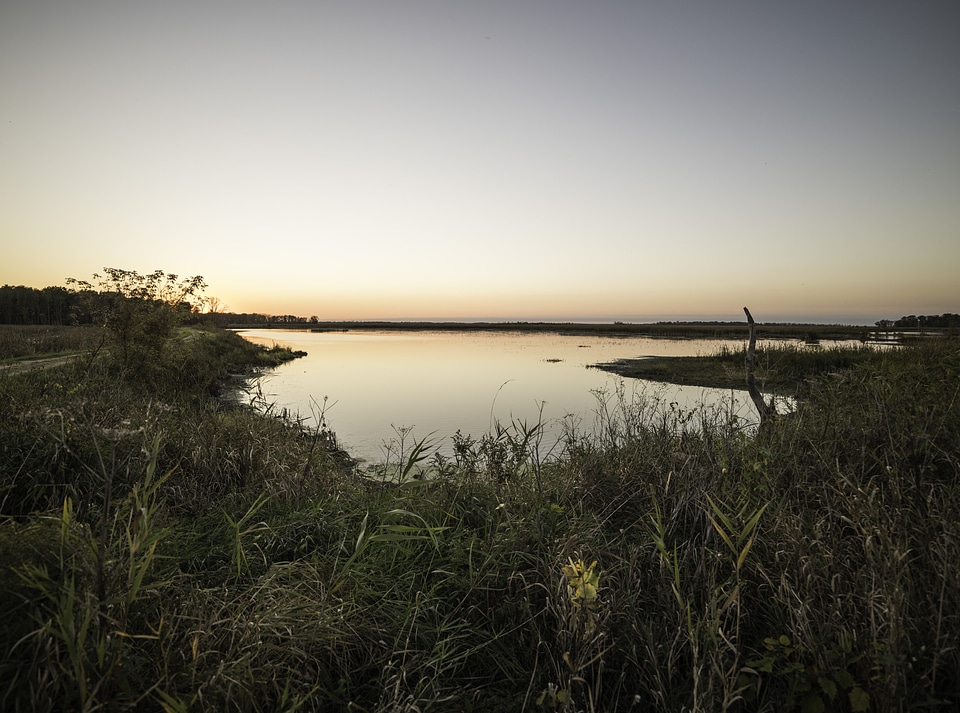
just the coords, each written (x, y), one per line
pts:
(780, 365)
(163, 550)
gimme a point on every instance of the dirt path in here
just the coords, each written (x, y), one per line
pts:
(18, 367)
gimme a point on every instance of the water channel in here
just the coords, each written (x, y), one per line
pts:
(374, 386)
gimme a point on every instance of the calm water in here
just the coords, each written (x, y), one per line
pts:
(378, 383)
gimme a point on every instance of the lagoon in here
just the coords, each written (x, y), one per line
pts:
(371, 387)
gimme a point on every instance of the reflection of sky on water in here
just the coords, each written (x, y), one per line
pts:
(440, 382)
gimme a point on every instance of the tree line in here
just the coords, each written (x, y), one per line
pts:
(51, 305)
(62, 306)
(251, 319)
(68, 306)
(948, 320)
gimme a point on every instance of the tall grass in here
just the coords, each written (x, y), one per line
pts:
(162, 550)
(782, 365)
(18, 341)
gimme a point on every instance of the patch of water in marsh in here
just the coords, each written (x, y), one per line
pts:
(378, 384)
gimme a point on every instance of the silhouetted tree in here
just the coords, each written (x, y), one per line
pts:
(140, 312)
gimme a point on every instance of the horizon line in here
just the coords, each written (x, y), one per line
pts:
(859, 321)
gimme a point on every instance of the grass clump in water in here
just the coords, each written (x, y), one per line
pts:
(782, 367)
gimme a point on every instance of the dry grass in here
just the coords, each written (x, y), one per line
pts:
(235, 566)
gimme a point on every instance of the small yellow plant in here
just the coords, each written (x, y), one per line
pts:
(579, 638)
(582, 583)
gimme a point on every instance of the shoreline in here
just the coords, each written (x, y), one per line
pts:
(670, 330)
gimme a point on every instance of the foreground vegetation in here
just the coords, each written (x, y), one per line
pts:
(162, 550)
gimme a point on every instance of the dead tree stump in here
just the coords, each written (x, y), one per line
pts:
(766, 410)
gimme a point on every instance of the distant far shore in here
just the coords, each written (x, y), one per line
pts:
(676, 330)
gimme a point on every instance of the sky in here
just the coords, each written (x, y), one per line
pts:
(498, 159)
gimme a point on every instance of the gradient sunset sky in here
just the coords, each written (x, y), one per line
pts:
(516, 159)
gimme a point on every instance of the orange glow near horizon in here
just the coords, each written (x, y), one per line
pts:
(472, 161)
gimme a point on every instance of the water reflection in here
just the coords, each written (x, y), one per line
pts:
(422, 383)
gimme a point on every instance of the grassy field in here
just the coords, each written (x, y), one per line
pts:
(162, 550)
(32, 341)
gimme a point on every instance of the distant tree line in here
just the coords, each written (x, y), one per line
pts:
(923, 321)
(78, 304)
(63, 306)
(51, 305)
(250, 319)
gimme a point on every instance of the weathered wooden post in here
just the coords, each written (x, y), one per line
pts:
(766, 410)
